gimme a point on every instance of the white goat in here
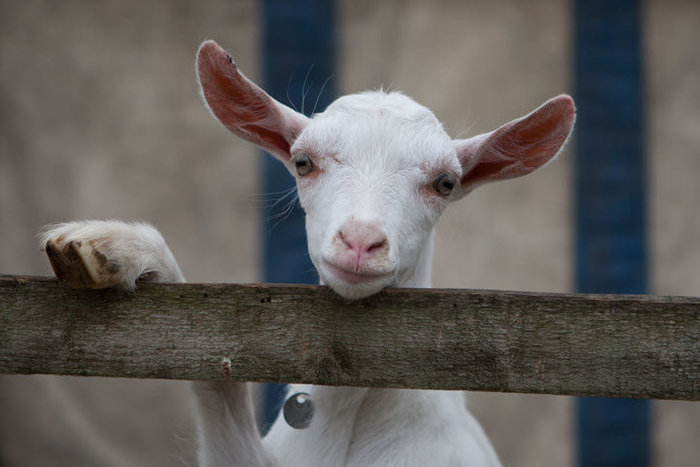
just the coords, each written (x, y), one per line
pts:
(374, 172)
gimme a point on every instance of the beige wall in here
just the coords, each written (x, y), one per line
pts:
(100, 117)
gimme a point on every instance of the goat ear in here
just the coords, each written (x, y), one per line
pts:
(518, 147)
(244, 108)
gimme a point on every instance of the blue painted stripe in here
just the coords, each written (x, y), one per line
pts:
(299, 46)
(610, 178)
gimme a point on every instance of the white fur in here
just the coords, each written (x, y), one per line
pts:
(371, 208)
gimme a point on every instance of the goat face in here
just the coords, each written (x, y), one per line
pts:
(375, 170)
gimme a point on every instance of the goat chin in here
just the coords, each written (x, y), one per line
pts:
(354, 286)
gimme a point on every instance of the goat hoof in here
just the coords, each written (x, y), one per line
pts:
(81, 266)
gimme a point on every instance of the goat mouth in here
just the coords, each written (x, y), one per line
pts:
(355, 277)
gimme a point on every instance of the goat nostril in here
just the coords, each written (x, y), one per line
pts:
(376, 246)
(342, 238)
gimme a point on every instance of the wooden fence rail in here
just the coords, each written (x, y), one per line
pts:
(602, 345)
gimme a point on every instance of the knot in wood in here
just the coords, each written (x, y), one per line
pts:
(336, 363)
(226, 367)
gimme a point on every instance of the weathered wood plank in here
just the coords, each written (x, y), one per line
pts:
(619, 346)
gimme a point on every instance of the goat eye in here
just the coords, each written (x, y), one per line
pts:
(444, 185)
(303, 164)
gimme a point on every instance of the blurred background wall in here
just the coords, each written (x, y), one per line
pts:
(100, 117)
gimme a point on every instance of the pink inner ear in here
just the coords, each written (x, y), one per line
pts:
(243, 107)
(518, 147)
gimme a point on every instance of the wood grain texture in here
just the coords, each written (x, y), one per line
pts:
(613, 345)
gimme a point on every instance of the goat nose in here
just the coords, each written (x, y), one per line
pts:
(366, 239)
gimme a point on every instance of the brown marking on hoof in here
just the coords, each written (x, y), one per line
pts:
(68, 266)
(79, 265)
(110, 266)
(99, 257)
